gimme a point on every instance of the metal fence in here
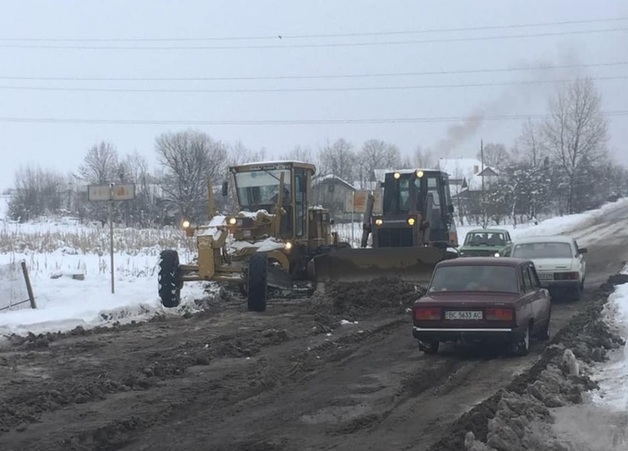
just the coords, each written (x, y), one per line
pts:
(15, 288)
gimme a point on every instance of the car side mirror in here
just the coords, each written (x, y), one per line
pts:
(450, 208)
(225, 188)
(582, 250)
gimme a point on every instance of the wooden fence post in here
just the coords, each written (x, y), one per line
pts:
(29, 288)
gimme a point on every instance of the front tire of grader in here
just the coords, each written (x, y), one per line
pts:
(257, 276)
(169, 279)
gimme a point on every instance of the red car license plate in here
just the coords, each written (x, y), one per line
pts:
(466, 314)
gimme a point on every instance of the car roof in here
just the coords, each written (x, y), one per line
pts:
(544, 239)
(488, 231)
(484, 261)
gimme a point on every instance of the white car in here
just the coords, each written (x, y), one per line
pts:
(559, 262)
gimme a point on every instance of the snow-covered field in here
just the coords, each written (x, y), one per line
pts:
(64, 248)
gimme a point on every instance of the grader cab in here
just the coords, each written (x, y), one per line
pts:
(268, 243)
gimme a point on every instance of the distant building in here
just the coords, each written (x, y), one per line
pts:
(466, 174)
(330, 191)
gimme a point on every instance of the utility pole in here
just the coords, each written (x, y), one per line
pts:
(482, 199)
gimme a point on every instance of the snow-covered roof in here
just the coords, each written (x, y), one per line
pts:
(330, 177)
(469, 169)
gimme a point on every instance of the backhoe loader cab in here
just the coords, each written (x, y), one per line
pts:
(417, 210)
(414, 232)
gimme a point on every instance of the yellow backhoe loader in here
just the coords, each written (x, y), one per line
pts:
(414, 231)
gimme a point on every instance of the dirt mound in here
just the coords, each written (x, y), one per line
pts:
(508, 421)
(359, 299)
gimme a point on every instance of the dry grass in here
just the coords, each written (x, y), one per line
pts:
(93, 240)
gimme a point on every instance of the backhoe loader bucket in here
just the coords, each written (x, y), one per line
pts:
(411, 264)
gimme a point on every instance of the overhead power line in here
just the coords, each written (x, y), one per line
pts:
(314, 77)
(321, 35)
(312, 45)
(270, 90)
(401, 120)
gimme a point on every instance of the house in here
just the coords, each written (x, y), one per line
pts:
(467, 174)
(331, 192)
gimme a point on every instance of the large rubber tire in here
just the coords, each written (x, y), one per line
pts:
(169, 279)
(521, 346)
(257, 287)
(544, 333)
(429, 346)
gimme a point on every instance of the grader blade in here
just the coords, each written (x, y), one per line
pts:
(278, 278)
(414, 264)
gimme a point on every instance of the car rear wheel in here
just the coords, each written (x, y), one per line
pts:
(544, 333)
(576, 293)
(521, 346)
(429, 346)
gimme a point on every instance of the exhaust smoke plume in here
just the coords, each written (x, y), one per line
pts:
(536, 88)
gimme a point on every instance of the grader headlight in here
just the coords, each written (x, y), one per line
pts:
(411, 221)
(185, 224)
(232, 221)
(288, 245)
(396, 175)
(379, 222)
(419, 173)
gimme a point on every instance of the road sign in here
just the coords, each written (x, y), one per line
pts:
(356, 201)
(111, 193)
(99, 193)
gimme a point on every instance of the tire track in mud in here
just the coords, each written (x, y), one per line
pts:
(182, 372)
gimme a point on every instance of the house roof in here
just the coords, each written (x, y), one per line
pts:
(469, 169)
(330, 178)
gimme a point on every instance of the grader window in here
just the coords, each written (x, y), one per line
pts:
(259, 189)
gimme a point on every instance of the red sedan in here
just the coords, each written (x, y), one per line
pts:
(483, 299)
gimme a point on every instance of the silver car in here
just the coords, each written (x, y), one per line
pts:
(558, 260)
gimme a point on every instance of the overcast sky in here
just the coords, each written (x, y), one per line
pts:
(341, 38)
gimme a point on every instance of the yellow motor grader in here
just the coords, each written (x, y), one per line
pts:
(269, 243)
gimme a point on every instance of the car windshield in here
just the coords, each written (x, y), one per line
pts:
(485, 239)
(542, 250)
(475, 278)
(259, 189)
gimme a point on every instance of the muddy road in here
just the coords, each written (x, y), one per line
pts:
(336, 372)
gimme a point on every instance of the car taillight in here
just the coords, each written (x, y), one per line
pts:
(427, 313)
(499, 314)
(566, 275)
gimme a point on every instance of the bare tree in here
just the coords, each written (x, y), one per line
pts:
(376, 154)
(576, 132)
(424, 158)
(100, 164)
(530, 146)
(240, 154)
(495, 155)
(143, 209)
(38, 192)
(190, 158)
(339, 159)
(298, 153)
